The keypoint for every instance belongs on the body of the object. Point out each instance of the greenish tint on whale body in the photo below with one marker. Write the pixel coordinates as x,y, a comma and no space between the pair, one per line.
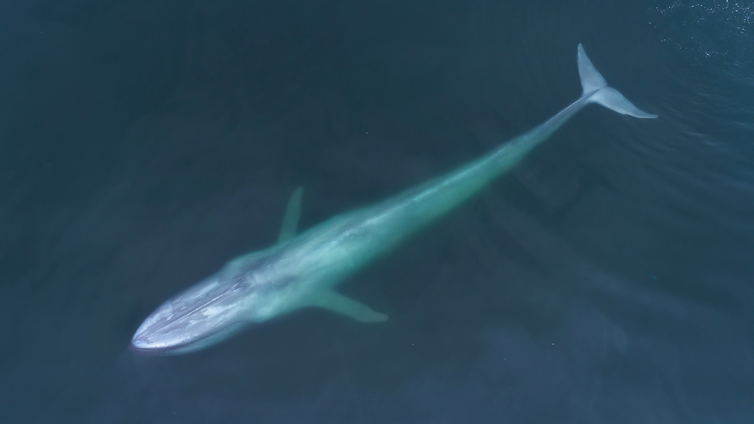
303,270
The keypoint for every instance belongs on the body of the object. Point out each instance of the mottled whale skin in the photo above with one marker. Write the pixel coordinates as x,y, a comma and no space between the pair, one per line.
303,270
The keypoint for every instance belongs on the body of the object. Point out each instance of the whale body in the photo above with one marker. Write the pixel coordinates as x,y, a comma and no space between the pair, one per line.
304,270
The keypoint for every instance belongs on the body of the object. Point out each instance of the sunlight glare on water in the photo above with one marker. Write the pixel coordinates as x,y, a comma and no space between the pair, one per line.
707,28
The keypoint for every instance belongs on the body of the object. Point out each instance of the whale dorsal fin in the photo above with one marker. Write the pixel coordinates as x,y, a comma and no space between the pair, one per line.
336,302
291,217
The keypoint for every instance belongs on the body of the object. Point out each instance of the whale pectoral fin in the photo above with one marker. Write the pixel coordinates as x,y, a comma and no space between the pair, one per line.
291,217
336,302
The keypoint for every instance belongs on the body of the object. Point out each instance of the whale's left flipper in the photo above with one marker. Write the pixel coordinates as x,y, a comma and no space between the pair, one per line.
593,83
336,302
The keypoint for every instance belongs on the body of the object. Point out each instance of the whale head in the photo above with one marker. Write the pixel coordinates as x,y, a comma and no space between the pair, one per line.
248,289
202,315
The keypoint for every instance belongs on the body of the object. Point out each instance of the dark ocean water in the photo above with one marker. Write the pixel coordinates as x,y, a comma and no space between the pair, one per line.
607,279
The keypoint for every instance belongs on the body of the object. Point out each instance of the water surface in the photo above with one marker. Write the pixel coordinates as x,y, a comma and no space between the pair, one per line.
607,279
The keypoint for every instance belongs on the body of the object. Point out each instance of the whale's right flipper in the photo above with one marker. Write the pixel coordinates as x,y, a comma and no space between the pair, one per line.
595,85
291,217
336,302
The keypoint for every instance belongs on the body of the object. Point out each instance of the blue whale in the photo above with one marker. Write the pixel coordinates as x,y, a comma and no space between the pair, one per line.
304,270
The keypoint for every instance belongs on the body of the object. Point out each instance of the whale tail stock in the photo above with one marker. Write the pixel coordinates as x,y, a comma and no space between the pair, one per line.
595,85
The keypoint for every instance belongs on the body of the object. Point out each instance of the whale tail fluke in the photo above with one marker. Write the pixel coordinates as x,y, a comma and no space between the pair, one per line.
593,82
